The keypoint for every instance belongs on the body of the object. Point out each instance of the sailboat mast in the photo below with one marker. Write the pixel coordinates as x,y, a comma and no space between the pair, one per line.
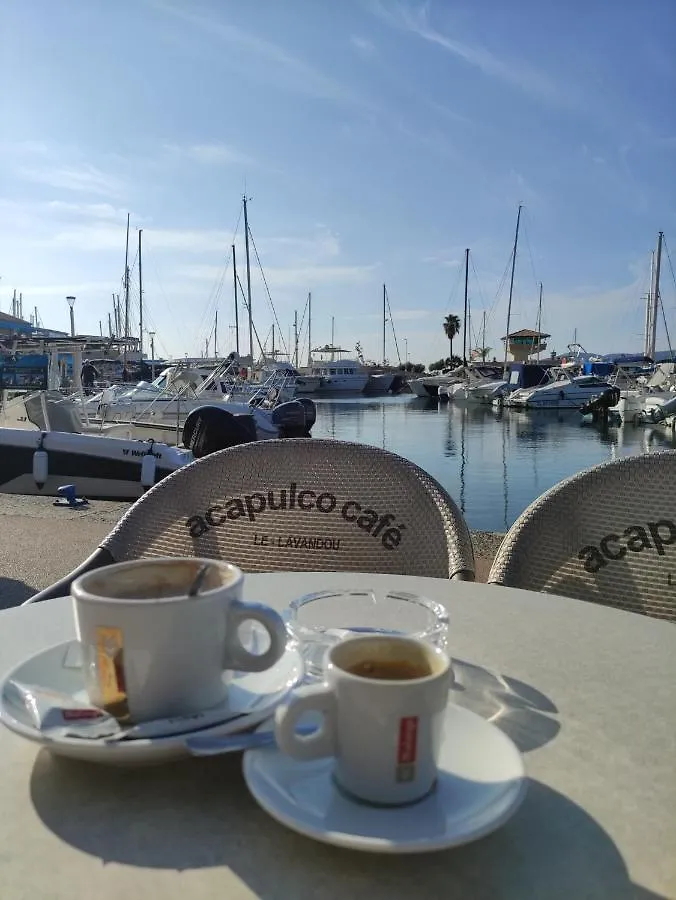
649,307
309,329
511,288
483,338
248,277
539,325
126,295
140,296
384,320
464,317
216,334
656,295
234,278
295,338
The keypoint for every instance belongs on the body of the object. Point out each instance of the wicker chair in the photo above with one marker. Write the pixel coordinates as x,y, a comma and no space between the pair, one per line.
607,535
296,505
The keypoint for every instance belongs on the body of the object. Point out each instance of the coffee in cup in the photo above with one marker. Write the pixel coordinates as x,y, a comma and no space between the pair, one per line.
382,704
158,635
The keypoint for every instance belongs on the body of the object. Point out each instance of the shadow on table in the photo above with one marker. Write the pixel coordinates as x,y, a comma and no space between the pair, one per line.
518,709
14,592
198,814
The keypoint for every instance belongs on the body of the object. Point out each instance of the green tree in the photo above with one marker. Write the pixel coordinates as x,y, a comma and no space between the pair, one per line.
451,327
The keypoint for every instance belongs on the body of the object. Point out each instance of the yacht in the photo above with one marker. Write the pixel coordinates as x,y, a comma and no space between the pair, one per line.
347,376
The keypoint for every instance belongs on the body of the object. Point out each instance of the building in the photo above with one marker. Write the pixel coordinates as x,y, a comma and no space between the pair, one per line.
11,327
525,343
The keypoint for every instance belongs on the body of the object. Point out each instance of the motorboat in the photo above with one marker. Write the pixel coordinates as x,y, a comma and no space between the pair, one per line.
346,376
60,448
380,382
475,376
563,391
428,385
106,468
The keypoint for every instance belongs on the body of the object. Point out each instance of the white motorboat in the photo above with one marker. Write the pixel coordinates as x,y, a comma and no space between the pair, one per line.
564,391
346,376
428,385
106,468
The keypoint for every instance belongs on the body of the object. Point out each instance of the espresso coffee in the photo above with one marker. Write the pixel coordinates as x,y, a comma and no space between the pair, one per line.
390,669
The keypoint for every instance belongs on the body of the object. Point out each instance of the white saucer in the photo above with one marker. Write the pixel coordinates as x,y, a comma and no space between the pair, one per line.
481,783
252,698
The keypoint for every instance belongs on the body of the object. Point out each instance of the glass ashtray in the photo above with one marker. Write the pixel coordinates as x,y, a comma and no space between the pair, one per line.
318,621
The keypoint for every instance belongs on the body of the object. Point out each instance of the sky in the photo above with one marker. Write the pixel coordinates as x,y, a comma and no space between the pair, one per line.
376,140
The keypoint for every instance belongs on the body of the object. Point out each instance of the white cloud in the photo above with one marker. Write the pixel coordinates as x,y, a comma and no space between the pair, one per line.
440,259
301,277
84,178
362,45
292,73
208,154
416,21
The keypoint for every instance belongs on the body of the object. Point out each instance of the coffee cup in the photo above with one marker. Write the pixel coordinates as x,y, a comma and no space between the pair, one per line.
382,707
158,635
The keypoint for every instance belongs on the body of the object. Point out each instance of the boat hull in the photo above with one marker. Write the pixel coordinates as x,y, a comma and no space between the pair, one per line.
100,468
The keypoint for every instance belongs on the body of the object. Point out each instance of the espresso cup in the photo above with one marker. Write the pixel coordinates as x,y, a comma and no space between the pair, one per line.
156,642
382,707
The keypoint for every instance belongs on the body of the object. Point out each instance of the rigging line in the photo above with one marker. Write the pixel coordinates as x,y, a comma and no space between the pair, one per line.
673,277
664,318
246,307
217,287
394,333
170,309
502,283
454,291
530,252
265,282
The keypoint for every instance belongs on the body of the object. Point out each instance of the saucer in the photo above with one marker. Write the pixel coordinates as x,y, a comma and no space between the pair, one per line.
481,783
251,698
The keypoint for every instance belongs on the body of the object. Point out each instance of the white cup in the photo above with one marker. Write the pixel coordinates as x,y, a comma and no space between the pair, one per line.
152,651
384,732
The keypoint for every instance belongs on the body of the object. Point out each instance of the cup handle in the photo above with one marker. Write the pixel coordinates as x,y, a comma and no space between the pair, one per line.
322,742
236,656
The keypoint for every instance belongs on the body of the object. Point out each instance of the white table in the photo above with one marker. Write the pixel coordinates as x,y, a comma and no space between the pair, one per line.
599,819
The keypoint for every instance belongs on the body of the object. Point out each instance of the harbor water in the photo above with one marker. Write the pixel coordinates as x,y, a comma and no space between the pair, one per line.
493,462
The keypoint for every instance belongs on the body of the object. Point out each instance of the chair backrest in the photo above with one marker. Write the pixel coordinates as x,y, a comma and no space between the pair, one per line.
607,535
301,505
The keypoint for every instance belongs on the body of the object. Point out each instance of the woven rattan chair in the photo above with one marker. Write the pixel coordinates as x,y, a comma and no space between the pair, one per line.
295,505
607,535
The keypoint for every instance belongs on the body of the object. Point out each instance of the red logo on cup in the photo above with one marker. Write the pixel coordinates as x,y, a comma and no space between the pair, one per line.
408,740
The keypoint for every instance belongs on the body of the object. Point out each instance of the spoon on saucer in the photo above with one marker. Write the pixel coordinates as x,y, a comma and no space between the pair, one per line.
213,745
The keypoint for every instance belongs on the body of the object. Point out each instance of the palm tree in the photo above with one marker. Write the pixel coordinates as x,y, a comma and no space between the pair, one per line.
451,329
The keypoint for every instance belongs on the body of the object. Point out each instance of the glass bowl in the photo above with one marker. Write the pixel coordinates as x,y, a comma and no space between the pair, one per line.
318,621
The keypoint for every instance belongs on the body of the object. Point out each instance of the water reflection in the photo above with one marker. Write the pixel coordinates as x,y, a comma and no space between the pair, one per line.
494,462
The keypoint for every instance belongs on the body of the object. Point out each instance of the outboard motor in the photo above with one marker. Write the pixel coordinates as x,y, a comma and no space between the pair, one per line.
598,406
310,412
209,428
290,419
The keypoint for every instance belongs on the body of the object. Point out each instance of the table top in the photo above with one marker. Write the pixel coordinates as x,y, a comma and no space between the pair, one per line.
587,694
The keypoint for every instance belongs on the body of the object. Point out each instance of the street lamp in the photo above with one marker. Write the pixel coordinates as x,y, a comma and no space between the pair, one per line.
151,335
406,345
71,303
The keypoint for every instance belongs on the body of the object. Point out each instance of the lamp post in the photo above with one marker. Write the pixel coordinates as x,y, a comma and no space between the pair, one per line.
71,303
151,335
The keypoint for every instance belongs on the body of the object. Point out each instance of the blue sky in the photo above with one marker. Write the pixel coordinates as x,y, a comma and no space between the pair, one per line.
377,140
